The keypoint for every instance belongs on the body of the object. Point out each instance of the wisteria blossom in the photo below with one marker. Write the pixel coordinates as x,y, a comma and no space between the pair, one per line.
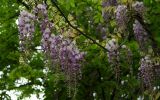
121,16
140,35
146,71
26,29
112,47
139,7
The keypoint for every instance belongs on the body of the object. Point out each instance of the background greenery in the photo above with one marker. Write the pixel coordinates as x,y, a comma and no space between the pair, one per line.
97,75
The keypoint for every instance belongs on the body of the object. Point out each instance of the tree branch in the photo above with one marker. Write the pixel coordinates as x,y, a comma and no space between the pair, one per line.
21,86
74,27
24,85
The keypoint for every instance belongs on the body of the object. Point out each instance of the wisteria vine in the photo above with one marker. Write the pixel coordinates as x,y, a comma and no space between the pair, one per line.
57,48
64,52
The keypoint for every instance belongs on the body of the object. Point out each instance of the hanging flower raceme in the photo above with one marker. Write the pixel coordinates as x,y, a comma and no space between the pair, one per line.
140,35
146,71
26,29
113,56
45,25
112,47
70,58
55,45
64,51
139,7
41,10
121,16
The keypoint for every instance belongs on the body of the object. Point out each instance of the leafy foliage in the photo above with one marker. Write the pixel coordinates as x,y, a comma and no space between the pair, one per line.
92,27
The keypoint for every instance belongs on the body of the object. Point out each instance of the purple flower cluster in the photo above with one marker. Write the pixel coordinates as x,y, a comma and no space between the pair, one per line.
121,16
139,7
140,34
61,51
67,54
26,29
70,58
55,44
58,47
146,71
112,47
45,26
41,10
58,50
